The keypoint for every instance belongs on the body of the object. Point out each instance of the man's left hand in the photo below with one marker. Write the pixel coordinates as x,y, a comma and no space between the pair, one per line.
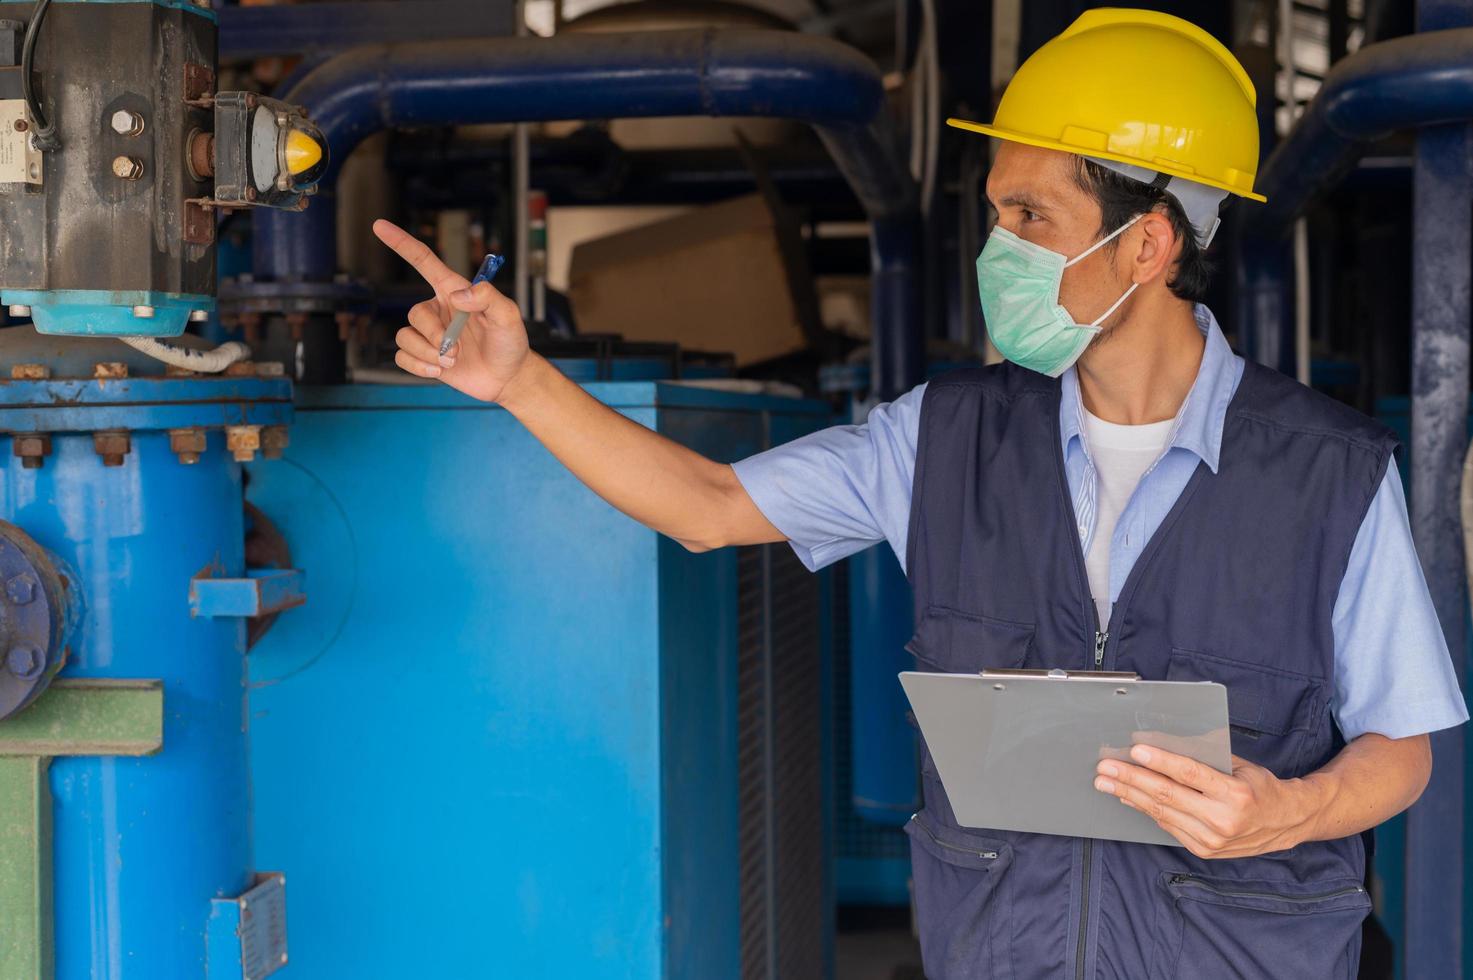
1214,815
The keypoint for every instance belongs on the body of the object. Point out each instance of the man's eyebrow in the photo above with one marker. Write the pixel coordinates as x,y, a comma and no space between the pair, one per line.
1020,200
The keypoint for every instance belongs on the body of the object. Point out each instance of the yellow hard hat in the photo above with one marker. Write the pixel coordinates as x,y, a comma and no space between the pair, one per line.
1137,87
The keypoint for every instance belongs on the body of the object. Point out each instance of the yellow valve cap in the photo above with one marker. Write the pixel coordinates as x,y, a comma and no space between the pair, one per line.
302,152
1139,87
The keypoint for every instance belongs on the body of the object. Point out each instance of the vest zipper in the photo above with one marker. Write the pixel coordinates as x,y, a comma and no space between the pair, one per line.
985,855
1228,893
1100,639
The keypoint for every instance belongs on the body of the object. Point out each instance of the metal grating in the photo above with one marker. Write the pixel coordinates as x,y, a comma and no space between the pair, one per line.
854,836
780,746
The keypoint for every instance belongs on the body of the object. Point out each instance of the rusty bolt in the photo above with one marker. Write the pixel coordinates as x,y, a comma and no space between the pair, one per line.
21,589
108,370
274,440
250,193
112,447
127,168
187,444
127,123
270,369
25,662
21,125
302,203
241,369
243,441
296,323
175,371
32,449
29,372
250,325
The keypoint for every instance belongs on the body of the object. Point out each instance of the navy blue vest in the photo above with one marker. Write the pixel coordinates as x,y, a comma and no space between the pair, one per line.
1237,586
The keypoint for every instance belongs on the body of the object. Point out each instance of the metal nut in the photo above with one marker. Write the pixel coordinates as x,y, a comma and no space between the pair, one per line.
19,310
109,370
29,372
243,441
274,440
270,369
112,447
126,123
127,168
187,444
241,369
21,589
32,449
199,316
25,662
143,312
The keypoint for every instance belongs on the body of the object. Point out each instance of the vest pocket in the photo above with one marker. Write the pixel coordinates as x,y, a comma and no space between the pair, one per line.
962,910
1273,715
949,640
1219,927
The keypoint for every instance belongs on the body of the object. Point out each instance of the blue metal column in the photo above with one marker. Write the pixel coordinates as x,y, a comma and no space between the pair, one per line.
1442,262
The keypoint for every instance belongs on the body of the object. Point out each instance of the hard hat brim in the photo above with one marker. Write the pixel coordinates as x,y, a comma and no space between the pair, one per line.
1029,139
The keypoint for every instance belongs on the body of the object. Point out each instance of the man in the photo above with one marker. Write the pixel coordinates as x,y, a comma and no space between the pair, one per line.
1127,494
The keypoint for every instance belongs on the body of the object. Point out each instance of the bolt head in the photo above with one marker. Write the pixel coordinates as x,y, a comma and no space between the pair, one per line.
21,125
25,662
143,312
19,310
199,316
126,123
127,168
21,589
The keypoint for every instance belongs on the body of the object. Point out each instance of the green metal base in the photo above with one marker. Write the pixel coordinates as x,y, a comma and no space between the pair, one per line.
73,717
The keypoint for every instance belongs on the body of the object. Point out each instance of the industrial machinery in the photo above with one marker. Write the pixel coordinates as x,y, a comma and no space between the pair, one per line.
116,151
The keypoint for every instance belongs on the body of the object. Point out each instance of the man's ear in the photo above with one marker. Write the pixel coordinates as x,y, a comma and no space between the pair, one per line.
1158,248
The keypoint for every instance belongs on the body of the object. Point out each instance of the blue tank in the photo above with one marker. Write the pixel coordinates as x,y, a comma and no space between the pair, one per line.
141,845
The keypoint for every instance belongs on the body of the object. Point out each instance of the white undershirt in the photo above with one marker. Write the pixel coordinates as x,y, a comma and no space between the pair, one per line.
1121,455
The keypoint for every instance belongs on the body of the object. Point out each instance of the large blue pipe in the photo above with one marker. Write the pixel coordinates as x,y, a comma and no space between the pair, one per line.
605,76
1406,83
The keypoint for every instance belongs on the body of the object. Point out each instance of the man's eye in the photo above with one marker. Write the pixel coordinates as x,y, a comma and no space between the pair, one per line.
1030,215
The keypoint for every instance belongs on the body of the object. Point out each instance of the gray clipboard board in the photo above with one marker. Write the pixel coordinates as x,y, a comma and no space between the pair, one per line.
1017,749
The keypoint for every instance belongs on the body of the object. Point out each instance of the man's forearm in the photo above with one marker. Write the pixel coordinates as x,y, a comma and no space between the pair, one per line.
1372,780
654,480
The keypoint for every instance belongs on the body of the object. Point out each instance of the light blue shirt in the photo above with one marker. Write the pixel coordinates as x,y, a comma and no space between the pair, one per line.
836,492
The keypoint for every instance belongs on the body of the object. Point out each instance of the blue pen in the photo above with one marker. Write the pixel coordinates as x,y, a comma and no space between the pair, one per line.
457,322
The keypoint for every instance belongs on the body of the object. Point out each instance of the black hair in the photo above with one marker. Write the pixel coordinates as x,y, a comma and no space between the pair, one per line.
1121,198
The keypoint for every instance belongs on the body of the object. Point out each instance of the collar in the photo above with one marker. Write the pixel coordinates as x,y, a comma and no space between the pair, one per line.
1200,420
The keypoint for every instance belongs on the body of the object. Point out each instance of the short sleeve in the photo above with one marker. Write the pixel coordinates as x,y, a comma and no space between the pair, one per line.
1393,675
840,490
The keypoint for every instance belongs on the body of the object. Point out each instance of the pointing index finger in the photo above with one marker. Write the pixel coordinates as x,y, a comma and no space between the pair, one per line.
417,254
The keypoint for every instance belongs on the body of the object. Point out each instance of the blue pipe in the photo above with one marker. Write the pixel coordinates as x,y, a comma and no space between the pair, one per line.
1406,83
708,72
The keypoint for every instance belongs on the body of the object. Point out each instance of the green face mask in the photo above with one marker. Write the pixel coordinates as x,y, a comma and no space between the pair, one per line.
1018,284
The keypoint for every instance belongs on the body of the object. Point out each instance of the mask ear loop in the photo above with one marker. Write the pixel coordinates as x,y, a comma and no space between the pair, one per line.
1101,243
1094,324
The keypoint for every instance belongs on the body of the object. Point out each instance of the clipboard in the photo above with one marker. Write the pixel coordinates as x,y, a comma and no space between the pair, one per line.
1017,749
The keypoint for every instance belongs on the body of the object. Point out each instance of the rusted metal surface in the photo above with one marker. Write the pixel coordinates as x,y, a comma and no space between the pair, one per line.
31,448
113,447
187,444
243,441
274,441
29,372
109,370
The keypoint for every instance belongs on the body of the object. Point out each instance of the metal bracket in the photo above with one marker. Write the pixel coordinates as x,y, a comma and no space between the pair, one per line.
261,592
73,717
247,935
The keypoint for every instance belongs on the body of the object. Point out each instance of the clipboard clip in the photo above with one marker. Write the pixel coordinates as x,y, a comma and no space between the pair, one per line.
1064,675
